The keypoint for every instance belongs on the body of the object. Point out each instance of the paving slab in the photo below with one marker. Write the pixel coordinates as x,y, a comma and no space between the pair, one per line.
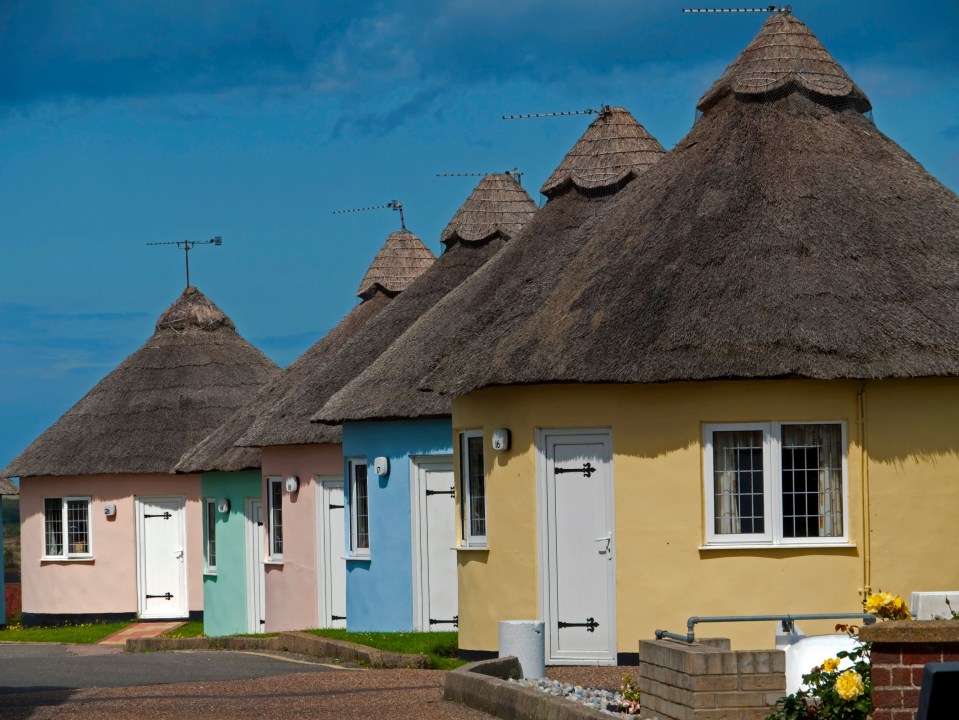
140,630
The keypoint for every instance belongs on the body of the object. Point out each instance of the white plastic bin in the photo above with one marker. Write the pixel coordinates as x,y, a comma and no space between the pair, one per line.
524,639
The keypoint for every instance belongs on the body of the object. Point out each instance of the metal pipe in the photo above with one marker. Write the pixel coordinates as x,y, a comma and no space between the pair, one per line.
866,509
788,621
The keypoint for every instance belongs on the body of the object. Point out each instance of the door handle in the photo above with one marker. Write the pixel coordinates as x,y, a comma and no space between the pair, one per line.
179,554
606,539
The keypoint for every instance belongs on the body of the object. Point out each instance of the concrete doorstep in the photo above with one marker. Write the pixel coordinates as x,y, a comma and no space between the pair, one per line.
483,685
297,642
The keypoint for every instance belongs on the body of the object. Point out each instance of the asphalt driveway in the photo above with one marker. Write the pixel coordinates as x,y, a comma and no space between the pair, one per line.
90,682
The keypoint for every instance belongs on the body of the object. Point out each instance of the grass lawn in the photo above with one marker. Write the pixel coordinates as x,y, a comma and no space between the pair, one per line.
439,647
191,629
83,634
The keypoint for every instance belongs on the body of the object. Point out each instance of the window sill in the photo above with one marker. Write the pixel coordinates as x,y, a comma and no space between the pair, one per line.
780,546
273,561
470,548
209,573
85,559
357,558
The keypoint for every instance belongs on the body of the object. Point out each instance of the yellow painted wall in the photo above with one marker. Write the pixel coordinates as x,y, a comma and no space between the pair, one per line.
662,575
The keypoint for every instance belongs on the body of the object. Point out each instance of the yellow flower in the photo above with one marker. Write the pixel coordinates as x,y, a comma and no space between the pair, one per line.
831,664
849,685
874,603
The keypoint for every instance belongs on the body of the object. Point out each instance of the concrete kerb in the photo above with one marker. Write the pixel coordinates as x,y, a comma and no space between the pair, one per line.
483,686
297,642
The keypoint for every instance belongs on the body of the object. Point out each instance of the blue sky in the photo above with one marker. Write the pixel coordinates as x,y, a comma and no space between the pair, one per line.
126,123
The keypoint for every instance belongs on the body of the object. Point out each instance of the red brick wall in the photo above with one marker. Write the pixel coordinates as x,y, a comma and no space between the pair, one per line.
11,597
897,670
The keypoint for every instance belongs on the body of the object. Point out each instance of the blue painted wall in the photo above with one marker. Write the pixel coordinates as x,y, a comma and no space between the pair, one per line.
379,591
225,593
3,569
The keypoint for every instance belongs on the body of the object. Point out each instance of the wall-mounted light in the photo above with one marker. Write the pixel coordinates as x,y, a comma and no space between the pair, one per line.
110,510
500,439
223,505
381,466
292,484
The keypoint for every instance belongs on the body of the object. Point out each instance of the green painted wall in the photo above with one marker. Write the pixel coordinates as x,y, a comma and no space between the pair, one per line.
225,592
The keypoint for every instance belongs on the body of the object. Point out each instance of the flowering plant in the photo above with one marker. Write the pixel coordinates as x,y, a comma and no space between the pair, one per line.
887,606
630,694
828,694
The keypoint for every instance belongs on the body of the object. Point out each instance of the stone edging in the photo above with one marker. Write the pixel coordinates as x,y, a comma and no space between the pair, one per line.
483,685
297,642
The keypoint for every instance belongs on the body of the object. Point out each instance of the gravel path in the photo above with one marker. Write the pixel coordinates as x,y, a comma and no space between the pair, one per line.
338,695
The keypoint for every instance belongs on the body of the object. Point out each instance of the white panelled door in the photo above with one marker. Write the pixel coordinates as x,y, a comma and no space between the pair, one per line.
161,557
434,537
577,546
331,537
256,569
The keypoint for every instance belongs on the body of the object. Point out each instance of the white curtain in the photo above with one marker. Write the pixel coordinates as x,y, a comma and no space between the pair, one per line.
828,439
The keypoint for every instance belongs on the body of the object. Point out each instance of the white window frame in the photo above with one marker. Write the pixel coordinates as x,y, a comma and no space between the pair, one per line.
772,489
209,535
64,528
271,538
467,538
358,552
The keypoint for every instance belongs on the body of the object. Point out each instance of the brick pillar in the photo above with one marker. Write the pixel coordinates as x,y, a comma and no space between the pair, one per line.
900,651
708,681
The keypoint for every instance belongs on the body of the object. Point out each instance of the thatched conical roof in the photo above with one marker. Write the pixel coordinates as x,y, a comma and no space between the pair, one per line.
8,488
614,149
192,374
785,55
387,387
287,420
498,204
780,238
401,260
218,452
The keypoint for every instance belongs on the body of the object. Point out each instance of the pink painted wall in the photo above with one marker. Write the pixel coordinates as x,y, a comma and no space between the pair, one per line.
108,583
291,587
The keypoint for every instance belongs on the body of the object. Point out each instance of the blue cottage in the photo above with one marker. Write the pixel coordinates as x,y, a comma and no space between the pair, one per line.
397,446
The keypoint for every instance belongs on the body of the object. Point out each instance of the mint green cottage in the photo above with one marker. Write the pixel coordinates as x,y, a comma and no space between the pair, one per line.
231,493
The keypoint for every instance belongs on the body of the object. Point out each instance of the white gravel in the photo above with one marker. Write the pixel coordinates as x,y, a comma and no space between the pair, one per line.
596,699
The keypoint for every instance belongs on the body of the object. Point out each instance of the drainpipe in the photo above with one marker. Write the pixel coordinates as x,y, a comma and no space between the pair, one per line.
866,520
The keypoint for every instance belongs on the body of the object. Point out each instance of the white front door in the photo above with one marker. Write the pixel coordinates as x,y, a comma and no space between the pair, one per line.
434,537
577,546
161,557
256,570
331,575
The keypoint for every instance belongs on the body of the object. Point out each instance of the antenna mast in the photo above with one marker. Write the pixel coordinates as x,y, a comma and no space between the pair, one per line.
587,111
785,10
515,173
188,245
392,205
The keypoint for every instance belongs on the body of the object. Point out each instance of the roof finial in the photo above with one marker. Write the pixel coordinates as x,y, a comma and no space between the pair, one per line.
392,204
188,245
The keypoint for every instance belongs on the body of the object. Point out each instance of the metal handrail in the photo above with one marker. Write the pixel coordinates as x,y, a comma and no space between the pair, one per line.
788,622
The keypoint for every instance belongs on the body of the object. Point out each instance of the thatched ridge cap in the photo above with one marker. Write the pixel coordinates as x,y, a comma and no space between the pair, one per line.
195,310
498,205
401,260
785,56
614,149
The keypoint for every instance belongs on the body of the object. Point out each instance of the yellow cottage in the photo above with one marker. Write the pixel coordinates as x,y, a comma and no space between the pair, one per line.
732,390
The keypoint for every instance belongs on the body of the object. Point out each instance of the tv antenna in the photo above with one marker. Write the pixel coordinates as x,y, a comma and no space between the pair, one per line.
785,10
187,246
587,111
516,174
392,205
